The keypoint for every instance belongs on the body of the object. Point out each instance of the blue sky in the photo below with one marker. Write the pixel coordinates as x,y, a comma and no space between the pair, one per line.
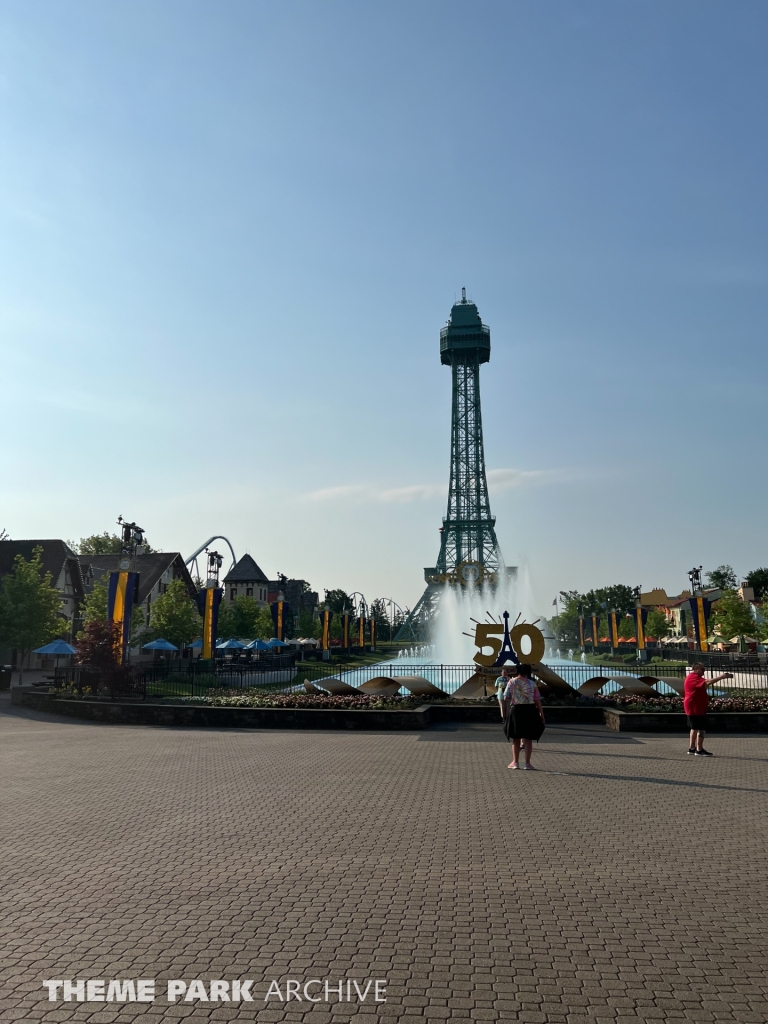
230,234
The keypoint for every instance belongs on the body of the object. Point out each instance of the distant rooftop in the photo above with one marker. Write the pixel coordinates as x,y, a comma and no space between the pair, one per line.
246,571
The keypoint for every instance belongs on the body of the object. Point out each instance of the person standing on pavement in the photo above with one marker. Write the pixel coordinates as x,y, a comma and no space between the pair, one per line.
508,672
696,704
525,715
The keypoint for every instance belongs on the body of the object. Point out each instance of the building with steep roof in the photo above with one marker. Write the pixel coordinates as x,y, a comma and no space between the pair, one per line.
156,572
246,579
61,562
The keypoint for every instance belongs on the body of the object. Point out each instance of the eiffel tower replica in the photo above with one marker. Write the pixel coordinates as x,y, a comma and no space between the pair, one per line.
469,552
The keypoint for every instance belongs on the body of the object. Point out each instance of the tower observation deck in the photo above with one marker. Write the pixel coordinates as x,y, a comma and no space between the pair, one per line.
469,552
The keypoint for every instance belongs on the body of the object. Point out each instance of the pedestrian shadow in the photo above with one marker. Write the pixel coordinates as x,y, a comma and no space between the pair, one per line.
567,752
464,732
652,780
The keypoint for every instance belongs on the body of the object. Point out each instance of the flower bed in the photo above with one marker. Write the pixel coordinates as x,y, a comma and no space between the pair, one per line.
675,703
363,702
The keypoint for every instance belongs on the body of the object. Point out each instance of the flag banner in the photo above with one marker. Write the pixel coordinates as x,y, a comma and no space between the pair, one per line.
641,617
325,619
613,628
122,595
700,608
595,632
208,601
372,632
278,618
361,631
345,629
581,631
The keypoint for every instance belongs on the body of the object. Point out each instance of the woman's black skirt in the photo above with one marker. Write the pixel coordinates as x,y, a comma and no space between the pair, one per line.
523,722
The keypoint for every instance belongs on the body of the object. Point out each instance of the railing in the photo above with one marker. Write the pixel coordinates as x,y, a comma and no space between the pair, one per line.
181,678
716,660
746,678
164,681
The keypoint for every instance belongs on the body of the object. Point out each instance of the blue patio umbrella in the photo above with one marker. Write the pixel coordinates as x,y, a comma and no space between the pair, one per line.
231,645
196,643
56,647
159,645
258,645
274,642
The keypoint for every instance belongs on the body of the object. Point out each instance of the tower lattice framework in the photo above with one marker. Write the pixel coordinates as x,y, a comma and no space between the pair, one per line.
468,533
469,551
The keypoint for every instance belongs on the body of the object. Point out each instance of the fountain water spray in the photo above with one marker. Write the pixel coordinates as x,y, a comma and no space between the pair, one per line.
461,607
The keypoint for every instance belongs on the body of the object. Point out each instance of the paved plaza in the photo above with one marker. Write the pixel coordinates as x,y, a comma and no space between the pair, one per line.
624,881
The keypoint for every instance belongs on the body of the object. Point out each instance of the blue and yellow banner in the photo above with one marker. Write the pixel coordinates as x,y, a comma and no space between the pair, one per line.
613,628
278,617
700,608
325,619
345,629
581,631
595,631
208,601
122,595
641,617
361,631
372,630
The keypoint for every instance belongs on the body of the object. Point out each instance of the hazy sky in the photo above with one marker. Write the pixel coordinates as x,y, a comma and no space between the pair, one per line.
231,232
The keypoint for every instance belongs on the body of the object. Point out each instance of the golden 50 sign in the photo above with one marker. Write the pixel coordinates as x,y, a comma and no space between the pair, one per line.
506,644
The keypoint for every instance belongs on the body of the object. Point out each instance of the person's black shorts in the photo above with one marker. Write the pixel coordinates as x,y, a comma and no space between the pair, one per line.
698,722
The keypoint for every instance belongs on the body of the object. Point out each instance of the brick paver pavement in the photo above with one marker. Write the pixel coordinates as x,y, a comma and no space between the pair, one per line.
630,887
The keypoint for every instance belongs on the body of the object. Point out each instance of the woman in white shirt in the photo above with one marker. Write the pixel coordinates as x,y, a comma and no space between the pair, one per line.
525,717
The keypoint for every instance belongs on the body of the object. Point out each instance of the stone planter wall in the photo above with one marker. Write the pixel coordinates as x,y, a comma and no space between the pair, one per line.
672,721
194,716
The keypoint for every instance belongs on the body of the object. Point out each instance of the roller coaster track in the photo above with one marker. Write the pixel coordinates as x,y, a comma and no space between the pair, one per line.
193,557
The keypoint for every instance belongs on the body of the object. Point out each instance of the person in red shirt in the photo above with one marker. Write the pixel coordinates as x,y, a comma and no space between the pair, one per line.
695,704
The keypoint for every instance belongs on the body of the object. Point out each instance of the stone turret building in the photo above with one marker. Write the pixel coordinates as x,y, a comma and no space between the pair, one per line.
246,579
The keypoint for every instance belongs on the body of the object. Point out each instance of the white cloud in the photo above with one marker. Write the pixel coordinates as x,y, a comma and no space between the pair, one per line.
503,479
498,480
333,493
417,492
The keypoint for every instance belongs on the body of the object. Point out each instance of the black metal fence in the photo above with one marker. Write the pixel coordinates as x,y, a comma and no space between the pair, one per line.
181,678
281,673
715,660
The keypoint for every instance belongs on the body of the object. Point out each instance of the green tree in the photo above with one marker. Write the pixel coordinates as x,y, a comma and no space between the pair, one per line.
732,617
104,544
338,601
99,544
243,619
758,580
308,626
95,609
565,626
95,604
618,597
381,618
656,625
238,618
30,607
627,627
175,617
723,577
